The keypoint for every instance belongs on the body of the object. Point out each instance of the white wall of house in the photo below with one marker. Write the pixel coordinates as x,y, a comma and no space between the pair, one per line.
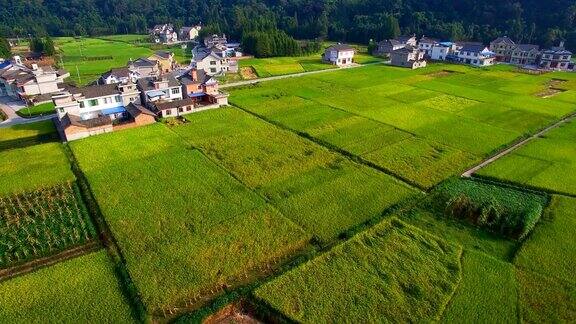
439,52
339,58
475,58
212,65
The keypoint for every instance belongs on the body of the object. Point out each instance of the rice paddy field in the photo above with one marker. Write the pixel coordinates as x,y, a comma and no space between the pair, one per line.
333,197
77,290
421,126
547,163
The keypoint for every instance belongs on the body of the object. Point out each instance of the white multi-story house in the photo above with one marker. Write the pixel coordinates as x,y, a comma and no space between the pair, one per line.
21,82
160,89
525,54
190,33
556,58
426,44
475,54
164,34
442,50
339,55
93,110
212,62
144,67
410,57
119,75
98,100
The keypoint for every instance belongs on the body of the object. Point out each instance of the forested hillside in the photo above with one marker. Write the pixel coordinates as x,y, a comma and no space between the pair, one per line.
537,21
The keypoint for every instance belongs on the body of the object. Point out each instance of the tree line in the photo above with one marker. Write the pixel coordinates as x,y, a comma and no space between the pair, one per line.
530,21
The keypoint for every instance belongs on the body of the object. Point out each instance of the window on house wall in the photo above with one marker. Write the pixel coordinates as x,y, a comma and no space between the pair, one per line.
107,100
213,70
168,112
175,91
180,109
81,104
93,102
188,108
118,99
212,62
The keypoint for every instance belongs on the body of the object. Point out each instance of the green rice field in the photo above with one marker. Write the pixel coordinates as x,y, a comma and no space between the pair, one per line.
392,272
547,163
78,290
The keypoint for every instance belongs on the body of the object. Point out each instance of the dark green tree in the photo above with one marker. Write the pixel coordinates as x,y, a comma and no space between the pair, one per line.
5,51
49,48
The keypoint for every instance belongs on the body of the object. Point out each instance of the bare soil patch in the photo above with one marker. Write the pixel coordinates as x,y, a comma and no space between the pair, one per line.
553,88
441,74
233,313
248,73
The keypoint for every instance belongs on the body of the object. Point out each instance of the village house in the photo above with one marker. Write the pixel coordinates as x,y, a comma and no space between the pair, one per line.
410,57
164,34
97,109
556,58
165,60
119,75
339,55
442,51
426,44
215,39
211,62
23,83
144,67
189,33
386,47
159,89
525,54
474,54
502,47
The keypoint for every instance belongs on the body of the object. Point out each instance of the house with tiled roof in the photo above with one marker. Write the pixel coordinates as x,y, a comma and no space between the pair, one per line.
23,83
387,46
164,33
189,33
144,67
165,60
119,75
556,58
97,109
339,55
502,47
525,54
212,62
475,54
409,56
159,89
425,44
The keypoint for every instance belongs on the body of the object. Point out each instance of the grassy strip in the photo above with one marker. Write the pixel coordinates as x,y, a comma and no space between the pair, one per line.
36,111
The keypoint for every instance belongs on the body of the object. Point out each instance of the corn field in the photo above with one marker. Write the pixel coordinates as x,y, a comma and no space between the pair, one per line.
41,223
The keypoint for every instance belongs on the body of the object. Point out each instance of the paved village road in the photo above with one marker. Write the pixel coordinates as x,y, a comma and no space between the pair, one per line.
294,75
516,146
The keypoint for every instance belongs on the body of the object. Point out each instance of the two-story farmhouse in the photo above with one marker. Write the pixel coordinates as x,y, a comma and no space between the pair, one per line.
525,54
442,51
92,110
475,54
425,44
190,33
201,92
211,62
144,67
339,55
409,56
119,75
215,39
159,89
556,58
23,83
502,47
165,60
386,47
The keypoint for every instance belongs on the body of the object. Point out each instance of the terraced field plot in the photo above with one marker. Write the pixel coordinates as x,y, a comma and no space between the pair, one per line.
79,290
392,272
421,125
294,174
547,163
190,228
27,134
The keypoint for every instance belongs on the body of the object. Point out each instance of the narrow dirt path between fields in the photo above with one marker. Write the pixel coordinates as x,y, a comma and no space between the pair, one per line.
34,265
294,75
469,173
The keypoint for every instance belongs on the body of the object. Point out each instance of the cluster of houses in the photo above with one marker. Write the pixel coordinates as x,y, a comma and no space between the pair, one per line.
29,82
167,34
146,89
407,51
